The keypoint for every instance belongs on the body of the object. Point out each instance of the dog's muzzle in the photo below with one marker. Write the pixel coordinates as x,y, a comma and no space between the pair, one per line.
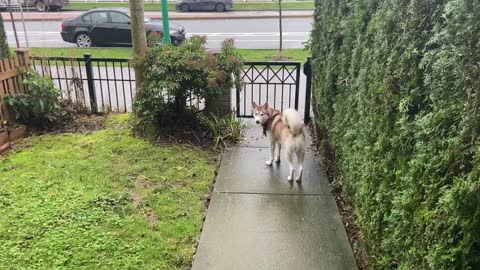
258,122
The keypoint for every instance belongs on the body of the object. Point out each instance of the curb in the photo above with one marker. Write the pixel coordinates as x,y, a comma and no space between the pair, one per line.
193,12
173,17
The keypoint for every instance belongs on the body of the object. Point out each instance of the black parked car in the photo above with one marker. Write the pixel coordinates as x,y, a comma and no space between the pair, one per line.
208,5
111,27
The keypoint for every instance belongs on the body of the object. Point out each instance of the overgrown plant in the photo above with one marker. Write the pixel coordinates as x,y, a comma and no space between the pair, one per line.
224,130
39,104
397,91
175,74
4,51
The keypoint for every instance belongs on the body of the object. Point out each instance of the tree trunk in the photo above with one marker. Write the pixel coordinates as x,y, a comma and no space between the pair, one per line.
280,26
139,38
180,104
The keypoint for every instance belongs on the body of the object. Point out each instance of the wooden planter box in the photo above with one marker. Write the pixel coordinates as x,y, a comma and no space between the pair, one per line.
9,135
17,133
4,141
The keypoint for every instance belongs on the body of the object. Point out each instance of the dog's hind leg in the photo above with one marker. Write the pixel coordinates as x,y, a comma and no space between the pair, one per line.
301,158
290,164
277,158
272,153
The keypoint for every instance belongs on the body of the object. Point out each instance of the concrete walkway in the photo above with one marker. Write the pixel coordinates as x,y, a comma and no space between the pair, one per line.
259,220
58,16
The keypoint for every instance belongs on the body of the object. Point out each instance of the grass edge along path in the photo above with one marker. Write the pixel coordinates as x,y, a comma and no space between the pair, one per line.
106,200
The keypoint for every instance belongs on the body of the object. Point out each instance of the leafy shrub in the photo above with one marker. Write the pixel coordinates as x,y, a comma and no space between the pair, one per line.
224,130
4,51
39,104
176,73
397,91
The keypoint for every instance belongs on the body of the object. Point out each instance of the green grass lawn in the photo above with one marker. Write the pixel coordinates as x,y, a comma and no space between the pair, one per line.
79,52
248,55
237,6
273,55
105,200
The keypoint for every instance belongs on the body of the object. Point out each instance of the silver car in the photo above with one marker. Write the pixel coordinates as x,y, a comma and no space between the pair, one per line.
204,5
39,5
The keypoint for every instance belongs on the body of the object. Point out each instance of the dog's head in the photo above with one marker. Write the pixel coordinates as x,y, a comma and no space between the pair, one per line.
260,113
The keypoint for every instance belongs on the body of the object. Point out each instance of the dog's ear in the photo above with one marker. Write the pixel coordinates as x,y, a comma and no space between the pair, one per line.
254,105
265,105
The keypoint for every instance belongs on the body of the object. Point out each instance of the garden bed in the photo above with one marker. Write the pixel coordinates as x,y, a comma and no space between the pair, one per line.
10,135
105,200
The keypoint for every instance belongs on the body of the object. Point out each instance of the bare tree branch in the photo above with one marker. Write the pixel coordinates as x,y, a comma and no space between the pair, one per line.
9,6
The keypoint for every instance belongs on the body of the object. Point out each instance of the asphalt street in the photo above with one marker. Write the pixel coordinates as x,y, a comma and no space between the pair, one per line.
248,33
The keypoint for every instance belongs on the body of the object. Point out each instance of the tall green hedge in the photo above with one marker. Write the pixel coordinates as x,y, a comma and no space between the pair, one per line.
4,52
397,95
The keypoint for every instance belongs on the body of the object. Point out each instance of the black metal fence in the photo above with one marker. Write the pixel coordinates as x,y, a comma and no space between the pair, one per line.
102,84
275,83
108,84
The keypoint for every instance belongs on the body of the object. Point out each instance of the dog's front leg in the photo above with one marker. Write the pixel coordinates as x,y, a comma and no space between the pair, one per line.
272,152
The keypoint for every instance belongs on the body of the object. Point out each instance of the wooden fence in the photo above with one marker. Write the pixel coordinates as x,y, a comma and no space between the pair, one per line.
11,80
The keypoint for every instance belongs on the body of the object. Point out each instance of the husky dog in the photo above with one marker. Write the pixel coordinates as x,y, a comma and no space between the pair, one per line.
283,129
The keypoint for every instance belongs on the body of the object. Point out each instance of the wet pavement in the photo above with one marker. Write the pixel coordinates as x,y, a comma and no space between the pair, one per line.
259,220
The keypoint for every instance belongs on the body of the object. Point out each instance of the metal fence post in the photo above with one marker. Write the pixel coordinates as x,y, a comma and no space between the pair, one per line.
297,84
90,82
237,101
307,70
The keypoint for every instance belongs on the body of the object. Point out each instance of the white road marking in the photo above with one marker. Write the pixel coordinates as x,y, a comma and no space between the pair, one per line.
209,40
258,40
37,41
40,38
33,32
205,34
253,34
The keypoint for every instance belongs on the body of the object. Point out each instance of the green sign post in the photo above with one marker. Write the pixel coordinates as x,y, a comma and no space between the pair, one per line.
166,26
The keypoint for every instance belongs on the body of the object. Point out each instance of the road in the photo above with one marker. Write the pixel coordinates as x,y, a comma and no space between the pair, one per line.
248,33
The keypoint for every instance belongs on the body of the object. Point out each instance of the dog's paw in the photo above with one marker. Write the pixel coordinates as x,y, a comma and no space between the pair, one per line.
277,160
289,178
299,176
268,163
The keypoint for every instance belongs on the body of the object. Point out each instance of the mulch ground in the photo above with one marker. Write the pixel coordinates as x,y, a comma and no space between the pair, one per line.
84,124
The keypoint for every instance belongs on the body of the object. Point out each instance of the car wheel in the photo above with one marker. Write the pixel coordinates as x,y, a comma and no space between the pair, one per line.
185,8
40,6
220,8
83,40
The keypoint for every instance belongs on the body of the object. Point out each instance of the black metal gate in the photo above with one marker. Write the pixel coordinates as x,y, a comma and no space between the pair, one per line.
275,83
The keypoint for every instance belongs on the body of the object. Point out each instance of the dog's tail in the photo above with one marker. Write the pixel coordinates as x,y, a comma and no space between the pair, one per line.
293,120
